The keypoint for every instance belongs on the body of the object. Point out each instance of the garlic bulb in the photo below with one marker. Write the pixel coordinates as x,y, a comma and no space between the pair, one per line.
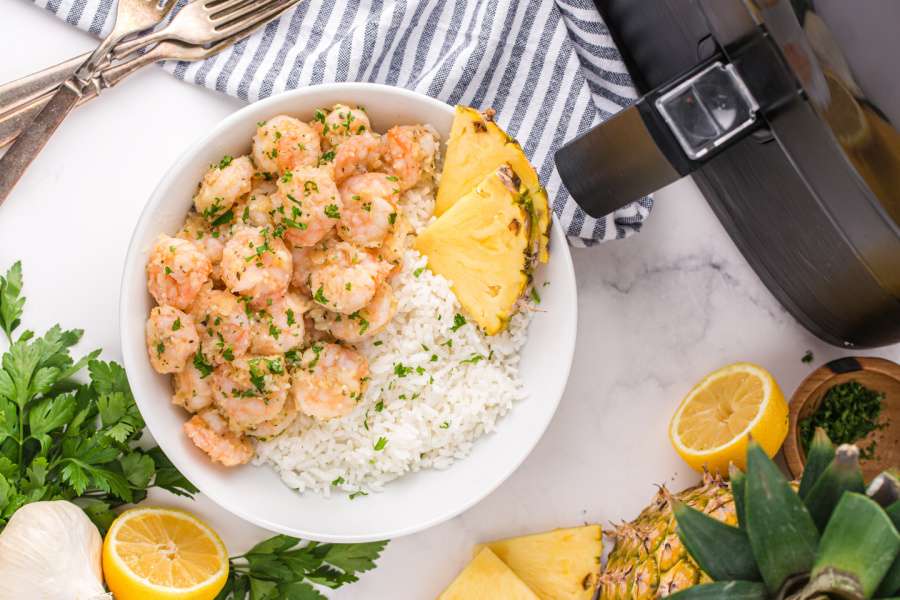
51,551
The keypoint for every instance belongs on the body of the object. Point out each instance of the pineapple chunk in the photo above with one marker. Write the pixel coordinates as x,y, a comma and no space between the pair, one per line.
487,578
563,564
477,146
481,245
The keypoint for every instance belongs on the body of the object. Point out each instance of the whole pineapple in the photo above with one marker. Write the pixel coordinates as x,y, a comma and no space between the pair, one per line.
648,560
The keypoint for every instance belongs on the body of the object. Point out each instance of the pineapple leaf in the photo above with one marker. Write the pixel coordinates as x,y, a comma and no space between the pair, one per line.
738,492
723,590
781,531
857,548
842,475
721,550
820,455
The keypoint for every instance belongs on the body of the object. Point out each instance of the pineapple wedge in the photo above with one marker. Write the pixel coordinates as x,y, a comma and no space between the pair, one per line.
477,146
487,578
563,564
481,245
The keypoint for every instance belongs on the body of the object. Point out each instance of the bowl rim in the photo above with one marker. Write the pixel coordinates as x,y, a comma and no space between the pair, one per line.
568,317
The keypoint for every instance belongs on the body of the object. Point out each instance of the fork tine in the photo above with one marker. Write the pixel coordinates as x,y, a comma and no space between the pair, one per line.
243,18
238,36
217,7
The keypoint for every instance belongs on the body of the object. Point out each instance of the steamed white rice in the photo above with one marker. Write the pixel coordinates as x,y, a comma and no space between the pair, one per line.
433,392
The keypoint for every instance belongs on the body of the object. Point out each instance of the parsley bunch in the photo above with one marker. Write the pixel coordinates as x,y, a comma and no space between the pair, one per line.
65,440
284,568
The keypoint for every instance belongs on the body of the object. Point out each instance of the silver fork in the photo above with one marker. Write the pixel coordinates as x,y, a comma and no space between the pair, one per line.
12,123
199,22
132,16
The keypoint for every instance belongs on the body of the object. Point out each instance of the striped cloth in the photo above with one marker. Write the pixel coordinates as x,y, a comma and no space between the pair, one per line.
548,67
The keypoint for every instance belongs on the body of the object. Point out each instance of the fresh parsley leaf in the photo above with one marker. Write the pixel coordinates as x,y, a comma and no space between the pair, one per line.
380,444
11,300
320,296
332,211
458,321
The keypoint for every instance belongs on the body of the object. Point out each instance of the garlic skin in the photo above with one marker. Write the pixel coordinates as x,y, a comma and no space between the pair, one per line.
51,551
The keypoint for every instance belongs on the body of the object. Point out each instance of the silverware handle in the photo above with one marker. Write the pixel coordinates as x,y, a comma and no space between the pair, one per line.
13,122
28,88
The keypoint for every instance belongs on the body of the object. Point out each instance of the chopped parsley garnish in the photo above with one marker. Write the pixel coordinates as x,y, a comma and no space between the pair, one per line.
445,425
338,481
401,370
848,412
392,218
458,321
228,354
245,217
290,317
275,366
288,175
808,357
379,406
434,358
327,157
260,123
203,367
380,444
226,160
332,211
418,272
310,186
177,324
168,270
420,370
377,343
257,378
274,331
474,359
319,296
319,116
160,348
392,178
224,219
348,286
535,296
357,494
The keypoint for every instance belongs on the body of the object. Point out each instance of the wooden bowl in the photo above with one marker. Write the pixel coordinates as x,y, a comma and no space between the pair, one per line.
877,374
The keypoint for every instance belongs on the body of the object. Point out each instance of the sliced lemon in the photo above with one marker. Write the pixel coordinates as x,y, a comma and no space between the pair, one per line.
159,553
713,424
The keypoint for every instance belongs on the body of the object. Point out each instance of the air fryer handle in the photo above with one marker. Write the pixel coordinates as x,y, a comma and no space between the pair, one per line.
665,135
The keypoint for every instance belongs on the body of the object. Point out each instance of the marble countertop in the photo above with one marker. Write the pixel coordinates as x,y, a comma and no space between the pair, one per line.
656,313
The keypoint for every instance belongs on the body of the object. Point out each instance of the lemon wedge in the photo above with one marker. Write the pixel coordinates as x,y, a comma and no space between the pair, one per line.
158,553
712,425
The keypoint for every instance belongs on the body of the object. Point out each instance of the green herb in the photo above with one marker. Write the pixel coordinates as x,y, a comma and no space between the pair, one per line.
327,157
201,364
63,439
380,444
377,343
401,370
418,272
332,211
445,425
274,332
227,354
288,175
290,317
226,160
320,296
168,270
458,321
160,348
535,296
434,358
309,187
392,178
420,370
224,219
474,359
257,378
808,357
177,324
319,116
359,493
392,218
338,481
283,567
848,412
379,406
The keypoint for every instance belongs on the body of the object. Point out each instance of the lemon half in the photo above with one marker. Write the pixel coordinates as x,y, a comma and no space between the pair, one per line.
159,553
713,424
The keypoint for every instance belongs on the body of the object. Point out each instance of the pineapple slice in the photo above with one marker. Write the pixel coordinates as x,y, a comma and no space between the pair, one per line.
477,146
481,245
563,564
487,578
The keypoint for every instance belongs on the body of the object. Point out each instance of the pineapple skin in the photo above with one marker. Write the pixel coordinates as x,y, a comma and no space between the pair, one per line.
648,559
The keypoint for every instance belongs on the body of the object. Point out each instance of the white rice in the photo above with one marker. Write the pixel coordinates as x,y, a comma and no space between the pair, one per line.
433,392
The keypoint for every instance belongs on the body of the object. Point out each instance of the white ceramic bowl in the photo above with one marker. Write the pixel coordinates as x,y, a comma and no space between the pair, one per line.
415,501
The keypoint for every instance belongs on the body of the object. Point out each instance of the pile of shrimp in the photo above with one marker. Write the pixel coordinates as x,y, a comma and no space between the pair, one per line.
284,262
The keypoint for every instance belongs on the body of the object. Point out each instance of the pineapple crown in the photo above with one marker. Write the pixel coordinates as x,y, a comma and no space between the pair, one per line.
831,538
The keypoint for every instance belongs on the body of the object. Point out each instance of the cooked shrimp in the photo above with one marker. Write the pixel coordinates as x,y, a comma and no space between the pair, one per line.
303,265
330,381
363,323
210,240
171,339
250,391
176,271
409,154
278,327
283,143
340,123
254,210
192,388
256,265
394,244
222,185
344,278
209,432
370,208
276,426
358,154
307,205
223,327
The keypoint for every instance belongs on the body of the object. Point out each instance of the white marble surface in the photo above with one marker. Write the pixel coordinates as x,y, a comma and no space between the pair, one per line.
656,312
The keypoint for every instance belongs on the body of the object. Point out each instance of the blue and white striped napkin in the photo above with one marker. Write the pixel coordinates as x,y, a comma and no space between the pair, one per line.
548,67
